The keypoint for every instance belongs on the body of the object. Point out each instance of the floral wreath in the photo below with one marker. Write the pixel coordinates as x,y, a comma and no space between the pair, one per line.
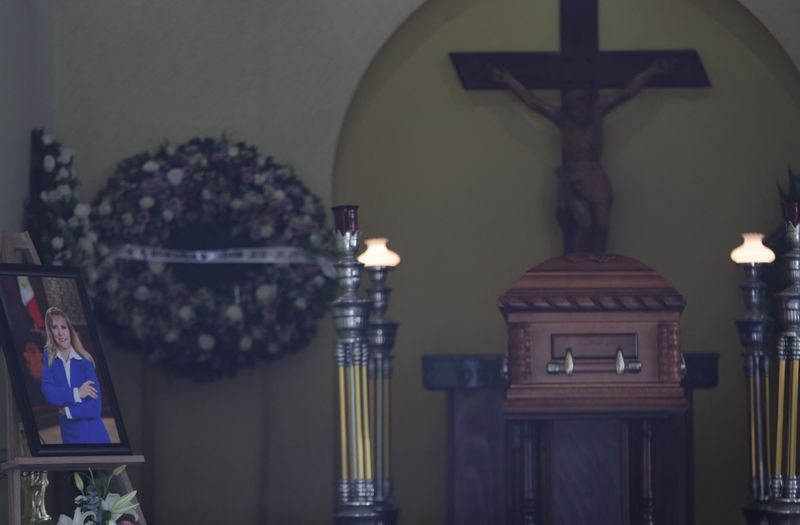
198,320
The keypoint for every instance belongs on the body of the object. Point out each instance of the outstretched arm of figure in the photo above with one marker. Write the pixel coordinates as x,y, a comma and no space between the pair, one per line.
501,74
606,104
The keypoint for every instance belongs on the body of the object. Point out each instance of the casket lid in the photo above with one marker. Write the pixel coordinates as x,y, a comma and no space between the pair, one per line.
591,283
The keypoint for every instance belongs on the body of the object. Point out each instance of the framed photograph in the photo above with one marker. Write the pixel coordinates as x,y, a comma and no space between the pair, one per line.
57,369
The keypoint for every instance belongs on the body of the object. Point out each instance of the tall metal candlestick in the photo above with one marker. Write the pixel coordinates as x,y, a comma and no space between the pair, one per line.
784,503
382,332
379,260
755,329
356,494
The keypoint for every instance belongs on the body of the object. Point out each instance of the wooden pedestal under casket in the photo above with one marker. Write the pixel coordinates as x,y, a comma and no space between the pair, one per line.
593,333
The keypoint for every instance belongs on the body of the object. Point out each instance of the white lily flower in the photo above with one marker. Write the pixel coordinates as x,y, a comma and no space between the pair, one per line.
118,506
79,518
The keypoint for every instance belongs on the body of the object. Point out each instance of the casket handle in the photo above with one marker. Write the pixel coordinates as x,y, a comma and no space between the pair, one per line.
568,367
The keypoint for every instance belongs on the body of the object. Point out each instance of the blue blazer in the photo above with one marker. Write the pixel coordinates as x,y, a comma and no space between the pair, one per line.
86,426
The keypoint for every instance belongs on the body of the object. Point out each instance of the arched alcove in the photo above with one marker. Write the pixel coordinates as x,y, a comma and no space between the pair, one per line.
463,185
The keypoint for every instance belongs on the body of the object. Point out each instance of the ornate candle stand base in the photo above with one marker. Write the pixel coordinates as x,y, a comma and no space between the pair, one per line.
388,513
785,513
756,513
358,516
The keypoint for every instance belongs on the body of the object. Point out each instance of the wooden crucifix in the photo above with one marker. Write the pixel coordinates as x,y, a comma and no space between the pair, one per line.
579,71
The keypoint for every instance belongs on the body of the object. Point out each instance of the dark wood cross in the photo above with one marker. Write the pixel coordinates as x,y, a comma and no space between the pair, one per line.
579,71
580,64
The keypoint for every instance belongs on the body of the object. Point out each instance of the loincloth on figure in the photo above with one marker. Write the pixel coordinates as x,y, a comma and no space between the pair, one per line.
584,180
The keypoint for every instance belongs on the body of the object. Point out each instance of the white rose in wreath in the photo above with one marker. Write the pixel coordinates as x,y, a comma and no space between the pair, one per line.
175,176
206,342
234,313
82,210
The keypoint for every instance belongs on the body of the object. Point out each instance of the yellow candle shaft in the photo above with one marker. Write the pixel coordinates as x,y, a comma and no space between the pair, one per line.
752,410
343,422
359,433
367,419
373,407
792,458
386,420
768,438
779,417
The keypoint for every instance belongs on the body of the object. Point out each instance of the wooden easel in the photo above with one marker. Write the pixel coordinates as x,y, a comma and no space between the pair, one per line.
17,247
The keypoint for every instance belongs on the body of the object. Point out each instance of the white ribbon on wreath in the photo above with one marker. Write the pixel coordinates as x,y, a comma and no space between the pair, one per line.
265,255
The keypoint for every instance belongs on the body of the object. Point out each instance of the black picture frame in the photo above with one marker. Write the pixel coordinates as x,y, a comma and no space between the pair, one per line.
26,293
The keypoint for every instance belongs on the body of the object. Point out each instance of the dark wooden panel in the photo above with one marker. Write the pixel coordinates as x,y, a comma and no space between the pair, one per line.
586,469
478,467
477,461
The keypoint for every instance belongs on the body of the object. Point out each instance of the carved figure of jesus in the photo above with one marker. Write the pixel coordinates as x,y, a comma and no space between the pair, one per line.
584,191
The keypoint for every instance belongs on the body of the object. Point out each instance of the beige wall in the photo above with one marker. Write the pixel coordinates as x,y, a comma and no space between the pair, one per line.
26,97
279,74
26,101
780,18
462,182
